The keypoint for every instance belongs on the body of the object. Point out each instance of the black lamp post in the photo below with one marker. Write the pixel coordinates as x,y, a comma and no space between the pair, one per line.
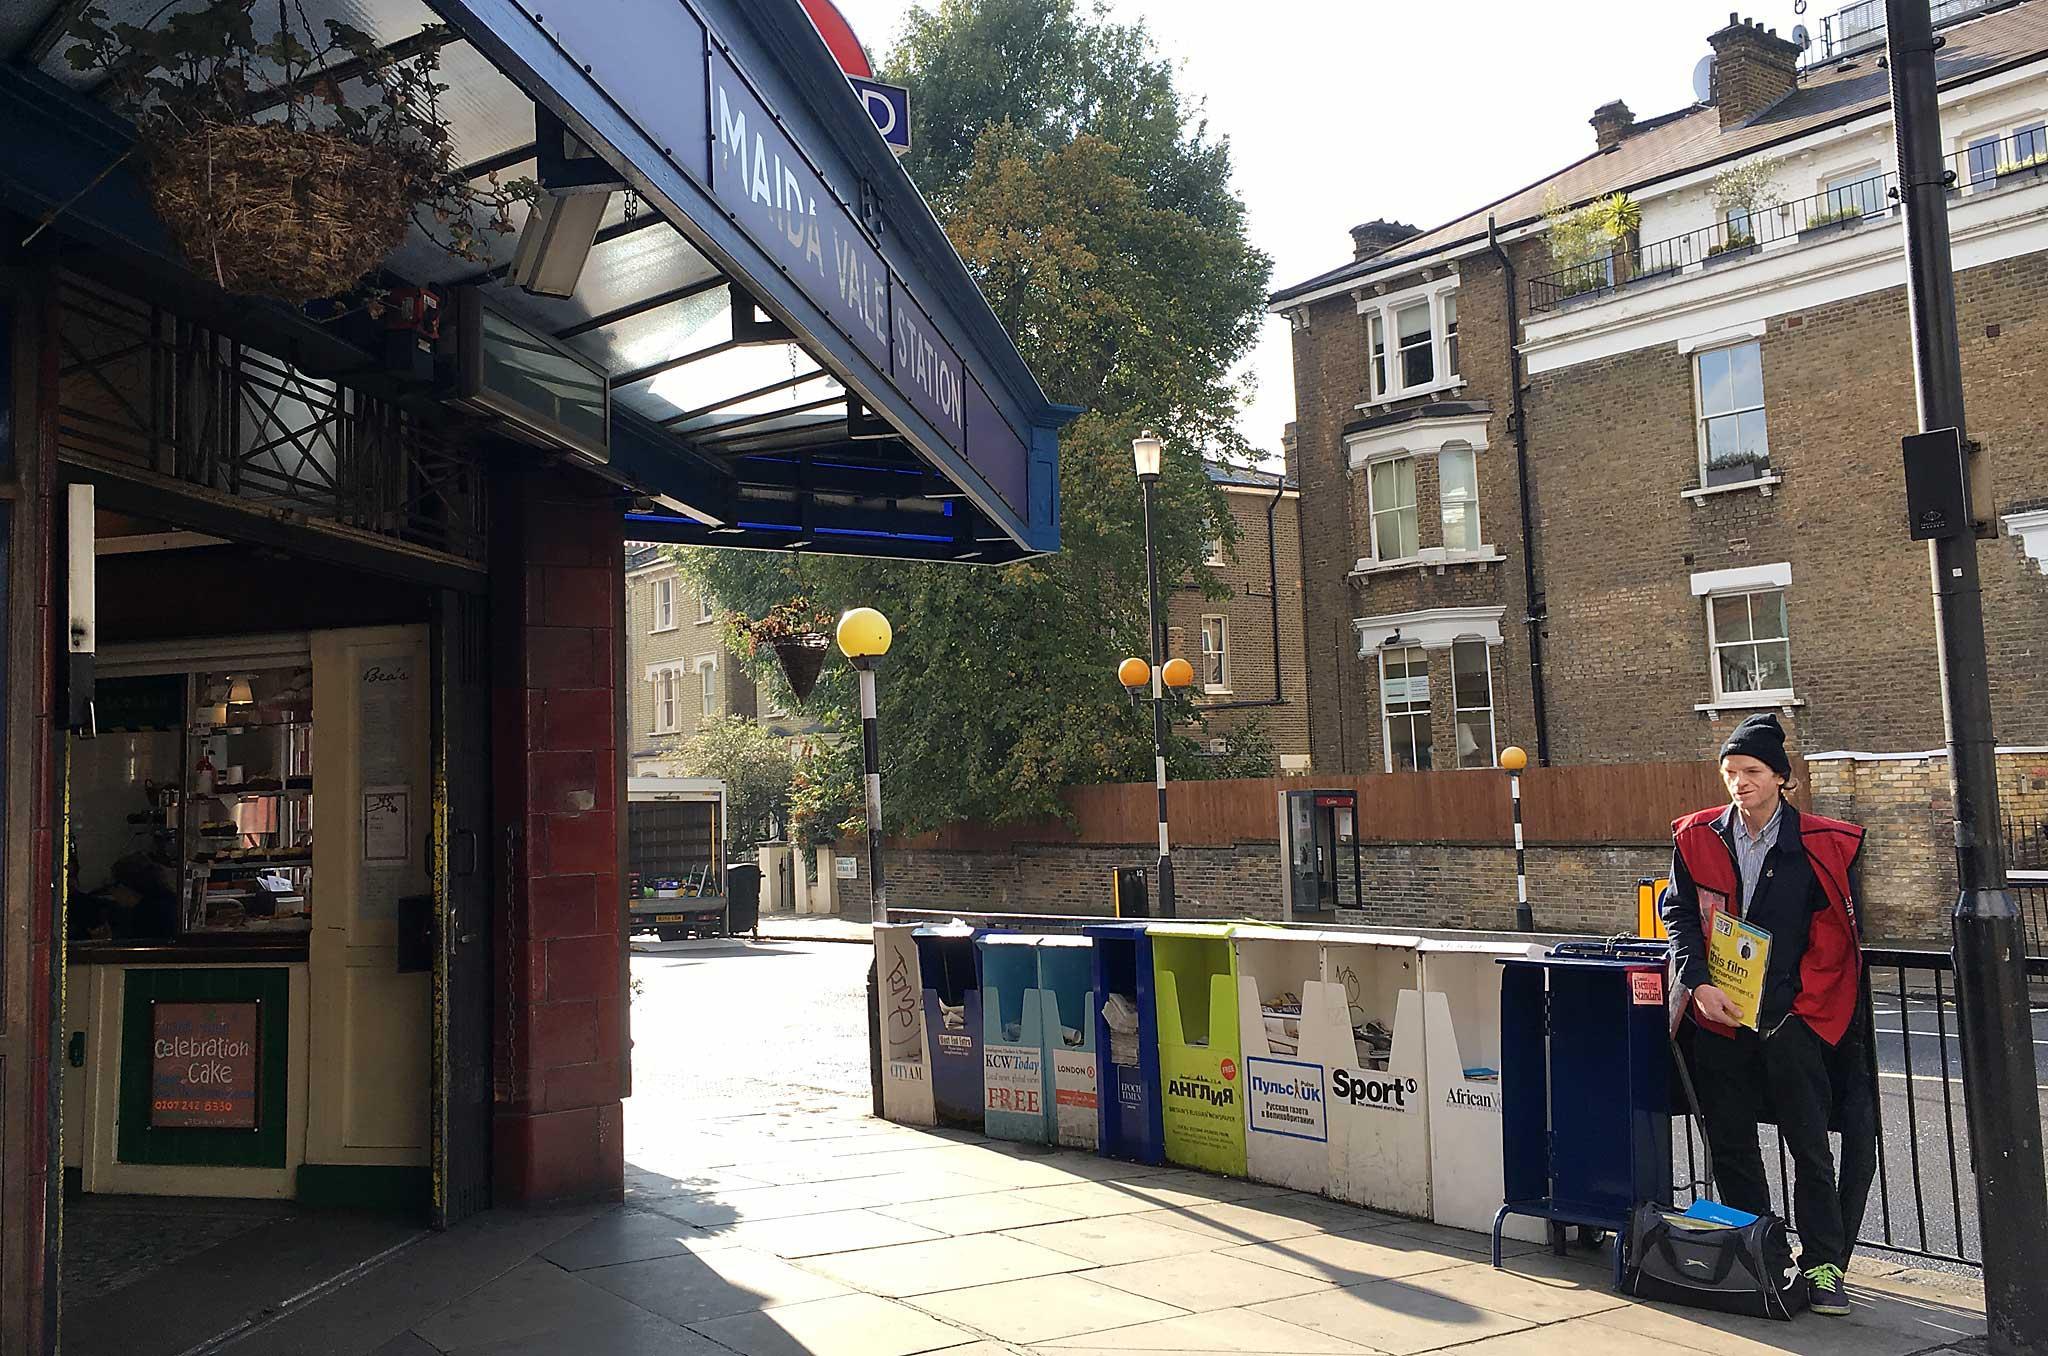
1145,452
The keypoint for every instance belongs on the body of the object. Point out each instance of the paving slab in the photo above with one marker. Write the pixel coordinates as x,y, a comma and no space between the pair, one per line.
1265,1220
1574,1337
713,1284
1225,1330
1093,1200
946,1264
896,1188
1650,1325
1115,1239
625,1235
638,1335
1204,1281
1184,1186
533,1299
847,1325
1525,1288
988,1213
1393,1317
1356,1258
834,1231
1443,1237
406,1344
1041,1308
746,1207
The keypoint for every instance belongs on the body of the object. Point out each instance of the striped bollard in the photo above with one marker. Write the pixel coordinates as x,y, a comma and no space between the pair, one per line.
1514,759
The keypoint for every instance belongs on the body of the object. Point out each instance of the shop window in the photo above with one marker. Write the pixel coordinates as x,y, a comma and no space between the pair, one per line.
1472,699
1390,486
1215,654
1404,708
1734,447
664,604
1458,496
1749,640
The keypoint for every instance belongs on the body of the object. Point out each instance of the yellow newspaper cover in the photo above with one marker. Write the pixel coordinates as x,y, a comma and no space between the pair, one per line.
1737,953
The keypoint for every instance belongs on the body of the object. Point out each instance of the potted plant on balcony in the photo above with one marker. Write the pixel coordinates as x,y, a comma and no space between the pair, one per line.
799,632
1741,194
271,175
2021,167
1586,242
1839,217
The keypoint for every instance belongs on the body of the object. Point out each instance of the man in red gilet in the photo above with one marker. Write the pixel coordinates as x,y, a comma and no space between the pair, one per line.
1788,874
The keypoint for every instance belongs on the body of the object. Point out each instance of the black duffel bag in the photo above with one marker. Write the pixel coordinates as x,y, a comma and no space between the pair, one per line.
1736,1269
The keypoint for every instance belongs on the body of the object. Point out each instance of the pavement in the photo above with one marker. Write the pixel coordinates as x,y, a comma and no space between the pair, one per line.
767,1214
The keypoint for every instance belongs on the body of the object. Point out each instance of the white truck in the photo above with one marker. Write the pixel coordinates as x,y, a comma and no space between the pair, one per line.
675,857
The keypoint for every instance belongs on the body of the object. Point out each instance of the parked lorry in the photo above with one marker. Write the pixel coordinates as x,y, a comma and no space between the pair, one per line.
675,857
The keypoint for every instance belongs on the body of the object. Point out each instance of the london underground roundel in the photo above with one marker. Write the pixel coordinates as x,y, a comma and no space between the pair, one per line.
839,38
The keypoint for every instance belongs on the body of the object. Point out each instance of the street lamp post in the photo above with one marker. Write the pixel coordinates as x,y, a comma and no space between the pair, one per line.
863,635
1145,452
1513,758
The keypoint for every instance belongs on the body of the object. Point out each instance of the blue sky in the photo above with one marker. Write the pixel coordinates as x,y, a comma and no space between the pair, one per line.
1339,111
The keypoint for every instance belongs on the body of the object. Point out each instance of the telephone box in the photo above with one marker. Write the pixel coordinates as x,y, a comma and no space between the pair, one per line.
1320,870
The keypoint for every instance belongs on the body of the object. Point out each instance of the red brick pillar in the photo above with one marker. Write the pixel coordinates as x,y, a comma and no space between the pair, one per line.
559,1024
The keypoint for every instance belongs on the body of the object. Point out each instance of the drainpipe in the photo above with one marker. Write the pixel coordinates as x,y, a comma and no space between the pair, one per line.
1279,697
1518,423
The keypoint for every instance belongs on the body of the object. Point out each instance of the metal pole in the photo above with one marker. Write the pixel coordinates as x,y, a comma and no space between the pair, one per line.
1524,919
1991,983
1166,909
878,888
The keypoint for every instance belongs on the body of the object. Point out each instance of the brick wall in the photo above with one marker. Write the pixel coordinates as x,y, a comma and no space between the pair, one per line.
560,1047
1613,443
1252,639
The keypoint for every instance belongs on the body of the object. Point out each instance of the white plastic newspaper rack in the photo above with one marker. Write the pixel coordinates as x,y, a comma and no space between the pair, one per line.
1461,1056
1379,1109
906,1055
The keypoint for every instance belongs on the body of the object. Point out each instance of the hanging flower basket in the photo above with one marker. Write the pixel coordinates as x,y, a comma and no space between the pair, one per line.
270,210
802,659
289,161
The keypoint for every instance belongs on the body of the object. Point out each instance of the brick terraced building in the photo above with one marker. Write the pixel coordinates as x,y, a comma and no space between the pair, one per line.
1695,509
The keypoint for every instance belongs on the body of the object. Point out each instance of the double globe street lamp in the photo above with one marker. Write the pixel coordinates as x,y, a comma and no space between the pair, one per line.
1161,672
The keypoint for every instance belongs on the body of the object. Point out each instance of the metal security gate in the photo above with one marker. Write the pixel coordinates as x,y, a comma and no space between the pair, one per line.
462,958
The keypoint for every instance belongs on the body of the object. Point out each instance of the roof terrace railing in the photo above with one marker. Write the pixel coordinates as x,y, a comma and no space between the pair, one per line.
1860,28
1740,233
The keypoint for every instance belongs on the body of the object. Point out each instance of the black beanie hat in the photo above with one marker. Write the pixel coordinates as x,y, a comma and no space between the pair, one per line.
1761,738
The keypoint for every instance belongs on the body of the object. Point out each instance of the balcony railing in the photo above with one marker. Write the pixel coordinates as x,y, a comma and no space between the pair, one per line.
2021,157
1860,28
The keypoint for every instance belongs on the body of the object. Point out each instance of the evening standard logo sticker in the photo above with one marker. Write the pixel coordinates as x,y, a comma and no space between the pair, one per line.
1285,1097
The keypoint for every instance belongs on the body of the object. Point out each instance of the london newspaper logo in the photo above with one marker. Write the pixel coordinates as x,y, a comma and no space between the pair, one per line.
1201,1090
1381,1094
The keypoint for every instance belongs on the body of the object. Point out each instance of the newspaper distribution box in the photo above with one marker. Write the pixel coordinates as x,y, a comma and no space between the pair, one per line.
1461,983
1014,1072
1067,1002
1379,1114
906,1055
1194,971
1125,1018
952,1019
1290,1024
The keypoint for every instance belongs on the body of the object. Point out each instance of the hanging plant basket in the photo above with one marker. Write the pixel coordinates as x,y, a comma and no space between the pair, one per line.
802,659
270,210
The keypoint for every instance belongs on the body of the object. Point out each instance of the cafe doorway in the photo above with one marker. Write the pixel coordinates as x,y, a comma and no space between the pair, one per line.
258,814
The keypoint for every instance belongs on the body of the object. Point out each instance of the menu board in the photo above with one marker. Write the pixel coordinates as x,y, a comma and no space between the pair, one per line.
205,1060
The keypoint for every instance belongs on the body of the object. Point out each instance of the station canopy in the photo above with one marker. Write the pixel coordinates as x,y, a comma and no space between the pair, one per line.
791,353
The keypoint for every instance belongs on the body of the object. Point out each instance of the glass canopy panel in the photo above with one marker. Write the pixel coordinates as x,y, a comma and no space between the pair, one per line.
621,272
386,21
807,391
730,373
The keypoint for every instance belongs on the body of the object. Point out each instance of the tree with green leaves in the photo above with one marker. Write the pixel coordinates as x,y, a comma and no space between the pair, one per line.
1095,211
756,769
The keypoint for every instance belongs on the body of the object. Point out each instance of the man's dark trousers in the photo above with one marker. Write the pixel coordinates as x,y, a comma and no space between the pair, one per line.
1790,1069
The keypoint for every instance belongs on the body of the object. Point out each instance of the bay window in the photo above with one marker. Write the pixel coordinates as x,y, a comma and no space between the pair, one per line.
1458,496
1390,487
1404,708
1472,700
1411,341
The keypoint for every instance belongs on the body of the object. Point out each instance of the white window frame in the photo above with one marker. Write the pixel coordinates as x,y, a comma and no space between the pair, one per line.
1388,717
1996,135
664,604
1373,509
1492,748
1385,373
667,682
1447,336
1426,341
1444,502
1743,582
1766,475
1221,652
706,669
1839,181
1212,542
707,607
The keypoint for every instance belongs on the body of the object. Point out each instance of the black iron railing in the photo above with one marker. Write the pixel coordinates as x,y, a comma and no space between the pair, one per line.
1990,164
1860,28
1923,1198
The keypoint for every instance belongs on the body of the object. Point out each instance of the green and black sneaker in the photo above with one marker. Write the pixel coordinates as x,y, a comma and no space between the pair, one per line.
1825,1292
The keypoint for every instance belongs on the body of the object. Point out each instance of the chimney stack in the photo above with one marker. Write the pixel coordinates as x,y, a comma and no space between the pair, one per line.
1753,69
1377,237
1611,122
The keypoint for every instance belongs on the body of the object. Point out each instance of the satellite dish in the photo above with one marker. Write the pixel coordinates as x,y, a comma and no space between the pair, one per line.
1800,37
1703,80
